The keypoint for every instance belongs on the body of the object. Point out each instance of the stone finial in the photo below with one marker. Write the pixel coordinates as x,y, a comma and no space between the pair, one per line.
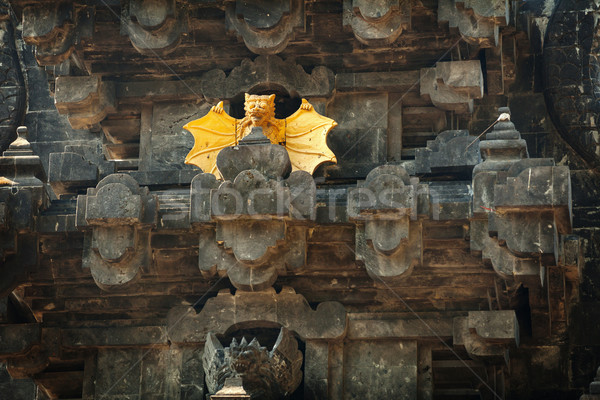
520,206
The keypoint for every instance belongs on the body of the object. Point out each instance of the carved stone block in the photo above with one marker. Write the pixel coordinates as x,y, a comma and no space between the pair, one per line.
487,335
22,198
520,206
271,373
387,241
478,21
55,29
68,172
268,70
120,215
265,26
377,23
84,99
244,309
153,26
450,151
452,85
254,225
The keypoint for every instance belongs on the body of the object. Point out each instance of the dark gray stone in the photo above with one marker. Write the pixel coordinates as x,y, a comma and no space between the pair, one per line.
451,151
271,160
376,23
270,71
262,27
380,369
70,173
285,308
154,28
360,137
270,374
120,215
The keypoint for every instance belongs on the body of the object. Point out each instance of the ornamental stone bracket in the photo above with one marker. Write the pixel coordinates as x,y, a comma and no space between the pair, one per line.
377,23
22,350
478,21
117,215
254,223
521,206
22,198
487,335
388,235
86,100
55,29
270,374
452,85
153,26
265,26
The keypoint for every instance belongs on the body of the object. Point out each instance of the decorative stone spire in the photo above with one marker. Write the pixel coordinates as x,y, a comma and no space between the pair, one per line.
19,165
504,142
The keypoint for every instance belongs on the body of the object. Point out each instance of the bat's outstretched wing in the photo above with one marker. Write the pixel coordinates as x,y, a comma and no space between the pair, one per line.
306,138
212,133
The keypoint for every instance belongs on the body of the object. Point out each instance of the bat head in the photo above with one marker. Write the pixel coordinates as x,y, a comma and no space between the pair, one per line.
260,109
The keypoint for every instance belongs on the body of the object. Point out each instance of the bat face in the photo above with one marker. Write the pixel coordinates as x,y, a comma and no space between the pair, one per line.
259,109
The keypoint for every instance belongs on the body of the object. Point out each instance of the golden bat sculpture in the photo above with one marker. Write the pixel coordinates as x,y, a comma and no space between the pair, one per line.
303,134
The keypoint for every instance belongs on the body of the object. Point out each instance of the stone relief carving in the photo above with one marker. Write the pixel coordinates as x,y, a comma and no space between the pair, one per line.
268,70
262,208
268,374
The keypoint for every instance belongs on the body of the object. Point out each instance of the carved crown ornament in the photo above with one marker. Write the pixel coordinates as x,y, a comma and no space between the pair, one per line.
254,202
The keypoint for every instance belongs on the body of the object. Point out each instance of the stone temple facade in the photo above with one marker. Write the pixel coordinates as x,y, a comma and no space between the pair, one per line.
452,251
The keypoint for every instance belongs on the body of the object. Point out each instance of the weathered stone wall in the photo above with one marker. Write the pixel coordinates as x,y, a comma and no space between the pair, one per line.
383,117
